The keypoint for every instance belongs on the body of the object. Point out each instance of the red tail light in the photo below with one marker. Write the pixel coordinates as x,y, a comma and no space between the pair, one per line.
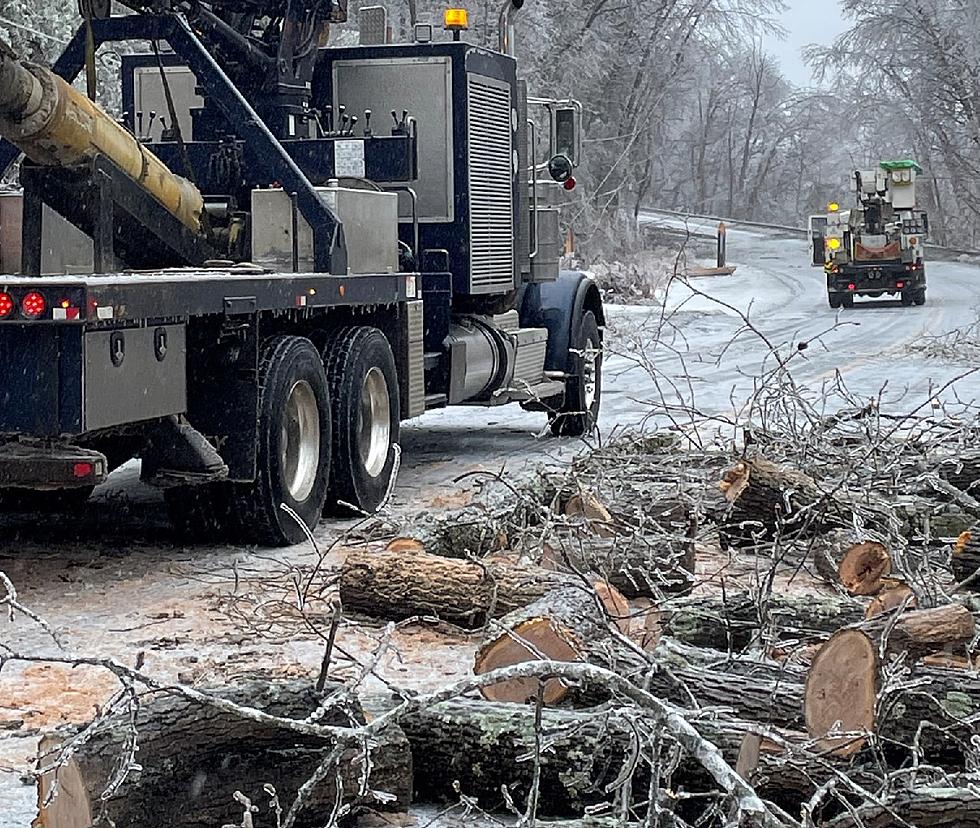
33,305
899,285
6,305
852,286
569,183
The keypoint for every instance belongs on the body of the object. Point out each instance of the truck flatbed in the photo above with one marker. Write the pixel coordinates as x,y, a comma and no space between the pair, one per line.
196,292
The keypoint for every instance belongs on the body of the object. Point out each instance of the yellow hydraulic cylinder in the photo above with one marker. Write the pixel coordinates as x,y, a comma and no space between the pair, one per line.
54,124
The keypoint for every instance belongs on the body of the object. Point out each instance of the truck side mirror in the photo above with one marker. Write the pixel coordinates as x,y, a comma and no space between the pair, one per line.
567,124
560,168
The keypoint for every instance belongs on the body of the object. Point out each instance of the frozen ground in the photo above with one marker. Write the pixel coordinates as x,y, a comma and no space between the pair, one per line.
111,583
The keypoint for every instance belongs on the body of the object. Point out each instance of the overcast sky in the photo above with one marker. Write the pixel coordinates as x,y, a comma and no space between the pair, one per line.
806,22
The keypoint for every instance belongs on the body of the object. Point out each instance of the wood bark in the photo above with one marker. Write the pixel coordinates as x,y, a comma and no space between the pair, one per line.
917,633
193,757
402,582
639,566
481,746
732,621
762,496
924,808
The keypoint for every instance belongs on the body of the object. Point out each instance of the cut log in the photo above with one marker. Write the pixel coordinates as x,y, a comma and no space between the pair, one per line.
841,690
963,472
916,633
965,561
480,746
404,583
923,807
564,625
193,758
896,595
762,495
638,566
587,507
732,621
857,563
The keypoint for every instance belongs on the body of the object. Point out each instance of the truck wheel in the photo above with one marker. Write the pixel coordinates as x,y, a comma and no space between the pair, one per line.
294,436
583,389
920,297
834,300
907,299
847,301
366,411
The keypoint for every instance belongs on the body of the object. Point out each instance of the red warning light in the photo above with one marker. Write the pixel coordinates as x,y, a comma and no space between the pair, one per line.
83,470
33,305
6,305
569,183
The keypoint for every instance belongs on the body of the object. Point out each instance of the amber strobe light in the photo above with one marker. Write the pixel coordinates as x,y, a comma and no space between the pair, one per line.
456,20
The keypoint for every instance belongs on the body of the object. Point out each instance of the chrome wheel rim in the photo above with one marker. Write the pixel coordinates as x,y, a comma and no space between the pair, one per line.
300,441
591,360
374,428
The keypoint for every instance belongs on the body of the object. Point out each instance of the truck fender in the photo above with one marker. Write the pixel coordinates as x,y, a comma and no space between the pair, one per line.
558,306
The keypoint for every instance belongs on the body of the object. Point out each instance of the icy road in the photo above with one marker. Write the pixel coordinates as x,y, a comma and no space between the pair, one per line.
111,583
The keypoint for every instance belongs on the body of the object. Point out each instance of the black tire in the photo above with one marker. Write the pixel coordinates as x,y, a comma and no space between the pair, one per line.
847,301
920,297
57,500
202,514
907,298
834,300
293,397
578,414
361,368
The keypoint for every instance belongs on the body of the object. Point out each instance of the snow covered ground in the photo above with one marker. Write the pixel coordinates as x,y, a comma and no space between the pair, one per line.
111,583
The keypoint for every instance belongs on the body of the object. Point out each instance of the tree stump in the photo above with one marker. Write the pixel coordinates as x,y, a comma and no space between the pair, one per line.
193,757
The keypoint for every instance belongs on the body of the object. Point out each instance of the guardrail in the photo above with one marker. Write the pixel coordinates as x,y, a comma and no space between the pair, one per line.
736,223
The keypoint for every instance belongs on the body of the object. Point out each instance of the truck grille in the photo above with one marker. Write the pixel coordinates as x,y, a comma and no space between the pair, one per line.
491,186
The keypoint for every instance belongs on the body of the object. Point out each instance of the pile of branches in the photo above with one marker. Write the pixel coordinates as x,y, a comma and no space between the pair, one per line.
792,603
664,632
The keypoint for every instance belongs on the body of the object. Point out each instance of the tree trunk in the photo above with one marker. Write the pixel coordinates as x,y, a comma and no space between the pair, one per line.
732,622
565,626
920,632
638,566
923,808
765,500
483,745
844,678
963,471
193,757
841,691
401,584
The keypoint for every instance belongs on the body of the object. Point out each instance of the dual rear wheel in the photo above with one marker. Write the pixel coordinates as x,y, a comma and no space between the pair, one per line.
326,440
